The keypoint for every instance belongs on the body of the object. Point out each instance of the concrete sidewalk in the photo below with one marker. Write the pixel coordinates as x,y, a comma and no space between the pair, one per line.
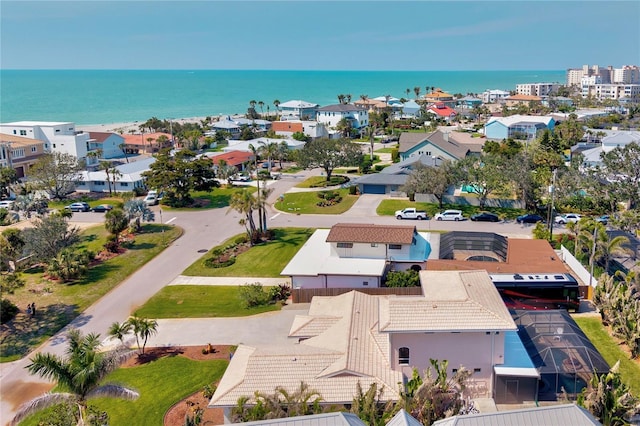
187,280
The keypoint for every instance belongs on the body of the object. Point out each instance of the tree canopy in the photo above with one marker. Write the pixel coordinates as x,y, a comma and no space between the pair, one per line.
56,173
329,154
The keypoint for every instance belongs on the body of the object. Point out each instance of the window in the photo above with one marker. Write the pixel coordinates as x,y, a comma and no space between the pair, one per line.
34,149
365,283
477,370
23,133
395,246
54,145
15,133
374,244
345,245
403,356
124,183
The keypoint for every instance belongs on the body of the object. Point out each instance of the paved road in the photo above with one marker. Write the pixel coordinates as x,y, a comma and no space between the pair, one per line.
202,230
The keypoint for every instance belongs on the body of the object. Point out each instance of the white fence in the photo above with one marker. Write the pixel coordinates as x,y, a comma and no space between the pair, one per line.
577,267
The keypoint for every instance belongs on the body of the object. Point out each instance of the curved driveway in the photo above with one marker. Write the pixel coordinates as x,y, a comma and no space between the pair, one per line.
202,230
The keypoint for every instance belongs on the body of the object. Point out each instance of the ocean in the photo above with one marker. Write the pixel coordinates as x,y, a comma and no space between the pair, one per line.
115,96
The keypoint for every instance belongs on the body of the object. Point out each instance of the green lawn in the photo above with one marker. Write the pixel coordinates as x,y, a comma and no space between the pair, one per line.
321,181
199,301
305,203
384,150
116,201
389,207
58,304
161,384
263,260
610,350
217,198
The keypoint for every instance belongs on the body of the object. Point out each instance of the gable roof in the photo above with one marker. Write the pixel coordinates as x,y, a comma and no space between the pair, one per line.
441,110
453,301
339,418
514,119
233,158
369,233
103,136
141,138
402,418
287,126
445,141
410,140
565,414
346,351
406,166
19,140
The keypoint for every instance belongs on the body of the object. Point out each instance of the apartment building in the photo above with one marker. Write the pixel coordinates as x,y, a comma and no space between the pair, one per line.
57,136
537,89
594,86
627,74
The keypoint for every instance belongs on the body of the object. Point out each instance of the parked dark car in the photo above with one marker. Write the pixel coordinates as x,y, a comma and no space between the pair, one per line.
102,208
529,218
78,207
485,217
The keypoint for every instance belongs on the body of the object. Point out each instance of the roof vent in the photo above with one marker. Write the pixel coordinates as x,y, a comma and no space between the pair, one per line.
434,306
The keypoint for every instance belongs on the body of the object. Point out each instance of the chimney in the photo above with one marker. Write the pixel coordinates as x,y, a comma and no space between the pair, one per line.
446,136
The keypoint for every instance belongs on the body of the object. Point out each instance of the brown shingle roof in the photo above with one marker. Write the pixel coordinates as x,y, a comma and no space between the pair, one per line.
409,140
365,233
523,98
101,136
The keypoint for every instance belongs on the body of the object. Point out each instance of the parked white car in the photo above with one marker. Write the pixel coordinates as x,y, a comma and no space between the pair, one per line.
566,218
152,198
6,204
449,215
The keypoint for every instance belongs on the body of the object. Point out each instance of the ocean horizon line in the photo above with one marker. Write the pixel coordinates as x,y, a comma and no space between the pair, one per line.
276,70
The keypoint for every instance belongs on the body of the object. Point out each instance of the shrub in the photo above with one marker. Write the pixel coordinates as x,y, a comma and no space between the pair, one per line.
8,311
353,190
111,245
408,278
395,155
365,166
253,295
379,167
208,391
214,262
279,292
240,239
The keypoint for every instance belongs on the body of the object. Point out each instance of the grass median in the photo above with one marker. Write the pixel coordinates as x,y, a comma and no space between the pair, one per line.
389,207
307,203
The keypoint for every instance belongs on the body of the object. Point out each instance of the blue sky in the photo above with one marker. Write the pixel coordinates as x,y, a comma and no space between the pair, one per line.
318,35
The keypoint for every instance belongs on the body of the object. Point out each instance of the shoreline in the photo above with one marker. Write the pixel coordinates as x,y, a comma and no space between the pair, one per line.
126,127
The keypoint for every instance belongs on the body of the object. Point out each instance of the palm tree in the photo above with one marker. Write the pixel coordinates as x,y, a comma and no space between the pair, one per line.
416,90
120,330
143,328
607,247
276,103
244,203
116,221
123,148
341,98
106,166
79,373
261,105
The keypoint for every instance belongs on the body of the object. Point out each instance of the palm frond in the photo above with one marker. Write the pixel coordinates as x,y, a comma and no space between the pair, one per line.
40,403
113,391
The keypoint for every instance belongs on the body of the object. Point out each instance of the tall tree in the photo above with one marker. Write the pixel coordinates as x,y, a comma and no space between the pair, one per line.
430,180
57,174
180,174
329,154
137,211
8,176
143,328
48,237
80,374
483,175
276,103
622,168
244,203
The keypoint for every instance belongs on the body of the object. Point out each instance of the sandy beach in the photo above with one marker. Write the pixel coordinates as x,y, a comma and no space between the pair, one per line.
125,128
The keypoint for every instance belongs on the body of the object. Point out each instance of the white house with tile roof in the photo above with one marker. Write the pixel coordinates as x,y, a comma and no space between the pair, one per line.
351,255
331,115
356,338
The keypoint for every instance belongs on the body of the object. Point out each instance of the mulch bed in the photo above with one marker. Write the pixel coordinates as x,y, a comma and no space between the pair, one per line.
176,414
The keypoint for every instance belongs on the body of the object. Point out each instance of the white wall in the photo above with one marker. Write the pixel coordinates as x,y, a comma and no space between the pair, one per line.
307,282
341,281
471,350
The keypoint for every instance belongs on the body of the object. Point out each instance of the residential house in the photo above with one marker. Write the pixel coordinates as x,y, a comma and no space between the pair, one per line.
371,104
111,145
494,96
258,124
438,96
438,144
331,115
128,177
556,101
357,255
312,129
147,142
359,339
392,178
20,153
57,136
524,127
297,110
238,159
440,110
411,109
564,414
515,100
468,102
613,139
226,125
240,145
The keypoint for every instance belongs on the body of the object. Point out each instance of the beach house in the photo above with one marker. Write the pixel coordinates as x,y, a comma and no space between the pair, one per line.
440,110
111,145
297,110
357,255
355,338
57,136
439,144
391,179
312,129
128,178
331,115
20,153
523,127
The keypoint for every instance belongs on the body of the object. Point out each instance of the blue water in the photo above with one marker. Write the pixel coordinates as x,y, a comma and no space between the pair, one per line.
112,96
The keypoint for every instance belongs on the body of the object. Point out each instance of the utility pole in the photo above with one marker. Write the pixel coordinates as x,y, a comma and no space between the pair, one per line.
552,190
